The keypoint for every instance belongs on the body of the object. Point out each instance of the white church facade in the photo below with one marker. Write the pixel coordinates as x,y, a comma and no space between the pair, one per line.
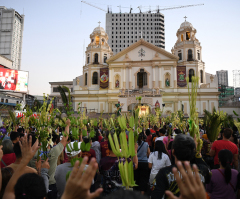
145,70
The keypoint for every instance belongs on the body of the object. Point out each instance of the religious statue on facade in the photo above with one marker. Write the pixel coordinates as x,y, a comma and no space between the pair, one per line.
78,81
119,108
117,84
167,82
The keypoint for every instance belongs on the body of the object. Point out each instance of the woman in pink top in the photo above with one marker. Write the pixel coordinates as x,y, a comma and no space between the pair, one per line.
224,180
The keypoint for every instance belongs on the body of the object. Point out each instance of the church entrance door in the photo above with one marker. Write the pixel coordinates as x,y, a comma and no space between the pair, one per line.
142,79
140,84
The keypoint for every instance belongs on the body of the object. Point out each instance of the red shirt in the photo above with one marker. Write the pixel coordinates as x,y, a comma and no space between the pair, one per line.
8,159
149,140
91,154
100,138
152,131
104,149
223,144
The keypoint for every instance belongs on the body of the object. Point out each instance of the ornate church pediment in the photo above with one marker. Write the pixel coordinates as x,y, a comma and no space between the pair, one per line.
141,51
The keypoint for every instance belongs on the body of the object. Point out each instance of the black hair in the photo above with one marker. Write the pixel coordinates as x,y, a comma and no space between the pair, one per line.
14,135
20,130
148,132
227,133
86,140
140,138
225,158
7,173
55,137
184,147
157,134
159,146
7,146
162,131
119,194
30,186
177,131
107,134
17,150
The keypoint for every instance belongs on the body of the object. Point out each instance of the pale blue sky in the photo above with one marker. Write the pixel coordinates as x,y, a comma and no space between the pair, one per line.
55,32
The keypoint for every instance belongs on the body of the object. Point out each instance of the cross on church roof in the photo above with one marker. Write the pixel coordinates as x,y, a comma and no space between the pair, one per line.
99,23
185,18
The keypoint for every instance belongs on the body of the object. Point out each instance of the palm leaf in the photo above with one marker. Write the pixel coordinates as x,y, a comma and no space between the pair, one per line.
69,93
63,95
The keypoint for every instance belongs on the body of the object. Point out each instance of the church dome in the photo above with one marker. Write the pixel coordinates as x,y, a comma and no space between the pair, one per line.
99,29
186,24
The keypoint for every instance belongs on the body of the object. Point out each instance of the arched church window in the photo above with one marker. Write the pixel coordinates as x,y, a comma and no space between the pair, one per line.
95,78
190,55
201,76
88,59
180,54
95,58
103,41
97,40
187,35
85,79
181,37
190,74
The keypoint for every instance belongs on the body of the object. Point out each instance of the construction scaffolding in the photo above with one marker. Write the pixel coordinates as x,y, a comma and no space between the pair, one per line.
236,78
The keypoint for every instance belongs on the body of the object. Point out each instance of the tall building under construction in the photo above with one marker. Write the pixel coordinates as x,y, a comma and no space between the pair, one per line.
124,29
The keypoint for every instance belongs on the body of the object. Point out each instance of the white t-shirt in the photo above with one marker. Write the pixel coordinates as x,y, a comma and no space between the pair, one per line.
160,138
158,164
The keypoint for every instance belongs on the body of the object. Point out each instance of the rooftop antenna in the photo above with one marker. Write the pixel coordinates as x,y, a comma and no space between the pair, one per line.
108,9
158,9
119,9
131,9
140,8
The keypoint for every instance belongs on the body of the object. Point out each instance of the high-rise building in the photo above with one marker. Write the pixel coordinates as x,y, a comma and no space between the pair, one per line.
237,91
11,34
222,77
124,29
236,78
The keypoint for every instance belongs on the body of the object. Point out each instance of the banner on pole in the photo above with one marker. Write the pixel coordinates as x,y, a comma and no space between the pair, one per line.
104,77
181,76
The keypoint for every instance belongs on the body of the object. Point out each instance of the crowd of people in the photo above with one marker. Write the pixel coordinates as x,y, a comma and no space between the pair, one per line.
166,165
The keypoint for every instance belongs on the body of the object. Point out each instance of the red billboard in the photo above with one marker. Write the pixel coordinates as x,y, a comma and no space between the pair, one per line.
13,80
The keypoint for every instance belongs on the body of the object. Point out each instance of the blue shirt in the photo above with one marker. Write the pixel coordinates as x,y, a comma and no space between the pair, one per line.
142,152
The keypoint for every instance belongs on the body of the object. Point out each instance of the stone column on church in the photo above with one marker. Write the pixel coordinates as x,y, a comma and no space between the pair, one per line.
124,78
130,77
153,75
89,82
160,77
175,76
109,107
204,76
110,78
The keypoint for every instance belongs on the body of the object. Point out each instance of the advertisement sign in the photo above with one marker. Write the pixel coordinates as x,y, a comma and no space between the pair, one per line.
13,80
181,76
104,77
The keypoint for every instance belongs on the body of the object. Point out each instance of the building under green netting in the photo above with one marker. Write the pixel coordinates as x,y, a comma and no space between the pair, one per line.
225,93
